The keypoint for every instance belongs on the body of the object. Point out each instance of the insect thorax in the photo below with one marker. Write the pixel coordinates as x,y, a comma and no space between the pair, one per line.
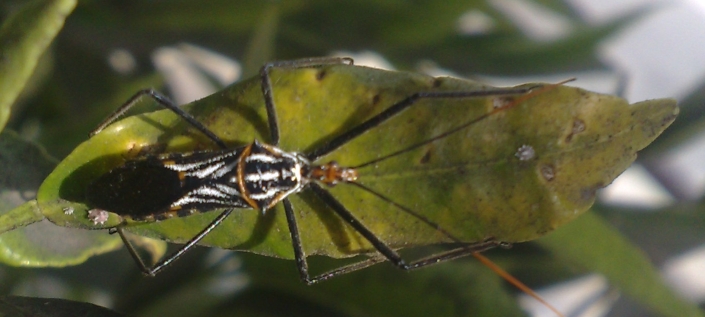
267,174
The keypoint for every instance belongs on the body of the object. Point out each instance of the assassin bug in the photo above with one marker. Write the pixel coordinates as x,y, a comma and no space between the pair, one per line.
259,176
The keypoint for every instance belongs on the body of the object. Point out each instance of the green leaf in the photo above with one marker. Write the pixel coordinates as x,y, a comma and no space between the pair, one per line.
592,243
471,183
22,167
662,233
24,37
24,215
50,307
261,48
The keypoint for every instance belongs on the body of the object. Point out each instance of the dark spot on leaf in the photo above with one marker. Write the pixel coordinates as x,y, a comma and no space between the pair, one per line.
548,172
376,99
437,82
667,120
588,193
321,74
462,171
426,157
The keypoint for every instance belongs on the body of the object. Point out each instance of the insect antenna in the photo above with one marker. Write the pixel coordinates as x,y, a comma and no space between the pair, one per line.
398,108
463,250
513,104
408,210
484,260
512,280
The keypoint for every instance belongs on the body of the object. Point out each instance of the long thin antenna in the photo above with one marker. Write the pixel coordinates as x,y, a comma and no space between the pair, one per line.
484,260
512,280
400,106
514,103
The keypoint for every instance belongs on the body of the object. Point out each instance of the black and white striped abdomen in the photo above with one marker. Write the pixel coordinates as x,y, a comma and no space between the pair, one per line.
165,186
208,180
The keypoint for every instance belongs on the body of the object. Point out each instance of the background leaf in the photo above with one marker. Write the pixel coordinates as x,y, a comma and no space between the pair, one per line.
23,166
50,307
79,81
23,38
595,245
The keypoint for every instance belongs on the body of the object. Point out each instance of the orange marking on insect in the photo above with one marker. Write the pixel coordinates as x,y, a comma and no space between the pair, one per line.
332,174
241,176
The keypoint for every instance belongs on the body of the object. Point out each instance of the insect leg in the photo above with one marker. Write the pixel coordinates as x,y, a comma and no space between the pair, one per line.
350,219
299,255
164,102
267,85
401,106
152,271
457,253
434,259
131,249
387,253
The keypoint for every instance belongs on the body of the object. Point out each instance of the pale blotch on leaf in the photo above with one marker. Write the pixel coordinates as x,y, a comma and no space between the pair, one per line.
578,127
98,216
499,102
68,210
525,153
548,172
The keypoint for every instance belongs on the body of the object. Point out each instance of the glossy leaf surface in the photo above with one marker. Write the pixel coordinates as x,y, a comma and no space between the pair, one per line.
471,182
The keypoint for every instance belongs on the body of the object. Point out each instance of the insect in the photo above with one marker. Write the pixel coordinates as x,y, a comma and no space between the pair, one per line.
261,175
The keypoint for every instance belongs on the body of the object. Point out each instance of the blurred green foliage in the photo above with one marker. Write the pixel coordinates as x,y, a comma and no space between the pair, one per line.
73,88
